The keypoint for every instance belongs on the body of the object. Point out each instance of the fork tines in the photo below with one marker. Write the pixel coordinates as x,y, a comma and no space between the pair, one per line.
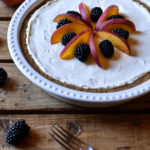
66,139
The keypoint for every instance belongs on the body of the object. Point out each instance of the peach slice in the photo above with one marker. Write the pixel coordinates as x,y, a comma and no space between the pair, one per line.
71,17
12,2
68,51
71,27
110,11
85,13
117,41
97,55
117,23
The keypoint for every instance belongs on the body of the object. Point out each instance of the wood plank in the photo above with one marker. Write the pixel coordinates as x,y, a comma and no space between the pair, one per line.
21,96
6,11
103,132
4,52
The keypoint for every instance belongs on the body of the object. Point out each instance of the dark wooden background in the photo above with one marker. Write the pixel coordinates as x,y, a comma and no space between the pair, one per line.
123,127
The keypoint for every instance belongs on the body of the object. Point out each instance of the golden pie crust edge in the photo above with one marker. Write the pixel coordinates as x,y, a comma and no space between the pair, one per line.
23,46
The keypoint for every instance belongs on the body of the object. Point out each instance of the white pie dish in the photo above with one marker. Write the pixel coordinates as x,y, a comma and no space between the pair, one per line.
68,95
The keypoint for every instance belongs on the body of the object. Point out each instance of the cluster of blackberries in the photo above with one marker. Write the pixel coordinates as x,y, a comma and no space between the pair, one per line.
17,132
83,50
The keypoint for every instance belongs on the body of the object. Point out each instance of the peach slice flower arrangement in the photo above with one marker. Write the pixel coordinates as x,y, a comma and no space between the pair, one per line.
90,32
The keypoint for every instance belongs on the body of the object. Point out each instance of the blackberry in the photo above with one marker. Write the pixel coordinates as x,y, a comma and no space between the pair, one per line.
17,132
74,13
63,22
82,52
116,17
67,37
96,12
3,77
107,48
121,32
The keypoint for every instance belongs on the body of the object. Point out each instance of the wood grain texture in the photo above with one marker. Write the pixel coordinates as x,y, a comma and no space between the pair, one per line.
104,132
123,127
4,52
21,96
6,11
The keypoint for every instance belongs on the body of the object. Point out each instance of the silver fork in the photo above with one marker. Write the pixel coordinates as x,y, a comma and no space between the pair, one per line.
67,140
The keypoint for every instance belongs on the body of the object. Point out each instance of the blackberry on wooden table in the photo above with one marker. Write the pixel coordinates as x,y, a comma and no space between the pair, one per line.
17,132
3,77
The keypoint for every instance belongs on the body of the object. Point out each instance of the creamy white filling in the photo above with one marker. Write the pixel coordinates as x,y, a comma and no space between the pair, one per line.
123,69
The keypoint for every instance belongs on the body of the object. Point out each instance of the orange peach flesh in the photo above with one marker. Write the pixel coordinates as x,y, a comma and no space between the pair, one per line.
83,29
68,51
73,18
115,26
72,27
97,55
113,11
85,13
110,11
117,23
117,41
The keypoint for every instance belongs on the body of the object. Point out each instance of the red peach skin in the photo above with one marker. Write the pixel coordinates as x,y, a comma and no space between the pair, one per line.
110,11
72,27
97,55
71,17
119,42
117,23
85,13
68,51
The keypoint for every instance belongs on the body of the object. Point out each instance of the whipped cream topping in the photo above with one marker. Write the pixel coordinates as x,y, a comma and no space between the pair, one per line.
123,69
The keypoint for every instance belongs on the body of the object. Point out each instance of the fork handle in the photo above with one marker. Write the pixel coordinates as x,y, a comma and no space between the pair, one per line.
89,148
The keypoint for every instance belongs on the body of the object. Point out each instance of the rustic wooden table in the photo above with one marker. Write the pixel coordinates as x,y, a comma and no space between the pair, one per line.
124,127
